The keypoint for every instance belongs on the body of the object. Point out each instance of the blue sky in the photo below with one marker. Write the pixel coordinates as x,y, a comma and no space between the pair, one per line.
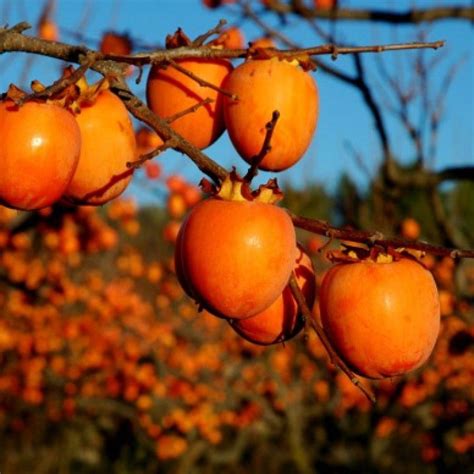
343,115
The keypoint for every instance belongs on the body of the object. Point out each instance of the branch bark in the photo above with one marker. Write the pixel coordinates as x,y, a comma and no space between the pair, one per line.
410,16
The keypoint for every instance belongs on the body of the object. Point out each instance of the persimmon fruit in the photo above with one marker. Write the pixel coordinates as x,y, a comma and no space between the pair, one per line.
108,144
41,143
231,38
263,86
325,4
170,91
282,320
236,255
382,318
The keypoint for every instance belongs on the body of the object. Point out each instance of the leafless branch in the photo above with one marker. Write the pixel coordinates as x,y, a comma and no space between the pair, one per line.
375,238
266,147
410,16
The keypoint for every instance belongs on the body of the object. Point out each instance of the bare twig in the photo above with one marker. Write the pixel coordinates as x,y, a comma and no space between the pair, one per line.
152,154
335,359
64,82
199,41
199,80
409,16
189,110
375,238
266,147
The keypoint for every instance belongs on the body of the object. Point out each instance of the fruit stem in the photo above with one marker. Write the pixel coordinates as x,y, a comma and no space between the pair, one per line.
335,359
266,147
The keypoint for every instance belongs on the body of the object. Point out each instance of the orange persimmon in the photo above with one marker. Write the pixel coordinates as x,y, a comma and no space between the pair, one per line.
325,4
282,319
108,143
242,266
382,318
263,86
170,91
41,143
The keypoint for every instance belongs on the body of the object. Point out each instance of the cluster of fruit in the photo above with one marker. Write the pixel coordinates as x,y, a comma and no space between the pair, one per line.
241,270
73,147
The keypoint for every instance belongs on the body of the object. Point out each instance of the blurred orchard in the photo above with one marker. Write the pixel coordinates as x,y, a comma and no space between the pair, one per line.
107,366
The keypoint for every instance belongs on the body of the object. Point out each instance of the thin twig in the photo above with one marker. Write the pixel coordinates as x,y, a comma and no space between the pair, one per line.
199,41
64,82
335,359
152,154
410,16
266,147
199,80
375,238
189,110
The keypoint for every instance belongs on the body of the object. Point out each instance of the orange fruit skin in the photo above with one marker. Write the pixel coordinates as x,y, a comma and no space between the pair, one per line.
108,143
325,4
382,318
263,86
236,257
39,152
170,92
282,319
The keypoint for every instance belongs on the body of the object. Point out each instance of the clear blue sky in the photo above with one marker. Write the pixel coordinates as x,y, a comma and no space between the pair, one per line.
343,116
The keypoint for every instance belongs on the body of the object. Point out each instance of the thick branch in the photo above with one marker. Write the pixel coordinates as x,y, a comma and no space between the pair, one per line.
411,16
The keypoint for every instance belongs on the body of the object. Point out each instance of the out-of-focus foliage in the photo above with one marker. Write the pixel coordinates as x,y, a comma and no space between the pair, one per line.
106,366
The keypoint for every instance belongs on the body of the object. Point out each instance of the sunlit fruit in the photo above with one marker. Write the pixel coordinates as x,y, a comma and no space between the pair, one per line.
152,170
282,320
263,86
170,92
325,4
115,43
237,254
263,42
410,228
231,38
39,152
48,30
382,318
108,144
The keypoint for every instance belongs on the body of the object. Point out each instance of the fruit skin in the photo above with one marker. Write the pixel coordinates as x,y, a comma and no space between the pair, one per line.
382,318
236,257
108,143
282,320
39,152
170,91
325,4
263,86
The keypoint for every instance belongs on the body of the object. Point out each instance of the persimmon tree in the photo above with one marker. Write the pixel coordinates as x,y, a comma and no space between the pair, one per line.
255,276
287,150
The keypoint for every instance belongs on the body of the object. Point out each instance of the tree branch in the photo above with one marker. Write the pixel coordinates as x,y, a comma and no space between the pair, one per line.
411,16
335,359
375,238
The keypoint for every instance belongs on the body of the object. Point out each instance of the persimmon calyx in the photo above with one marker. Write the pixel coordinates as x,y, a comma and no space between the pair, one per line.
354,252
235,188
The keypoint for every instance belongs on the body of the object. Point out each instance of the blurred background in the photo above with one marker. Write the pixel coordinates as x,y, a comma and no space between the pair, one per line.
105,364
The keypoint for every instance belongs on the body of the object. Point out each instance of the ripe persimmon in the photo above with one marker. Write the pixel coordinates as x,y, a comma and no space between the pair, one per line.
108,144
263,42
231,38
410,228
235,254
170,91
382,318
41,143
263,86
325,4
282,319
